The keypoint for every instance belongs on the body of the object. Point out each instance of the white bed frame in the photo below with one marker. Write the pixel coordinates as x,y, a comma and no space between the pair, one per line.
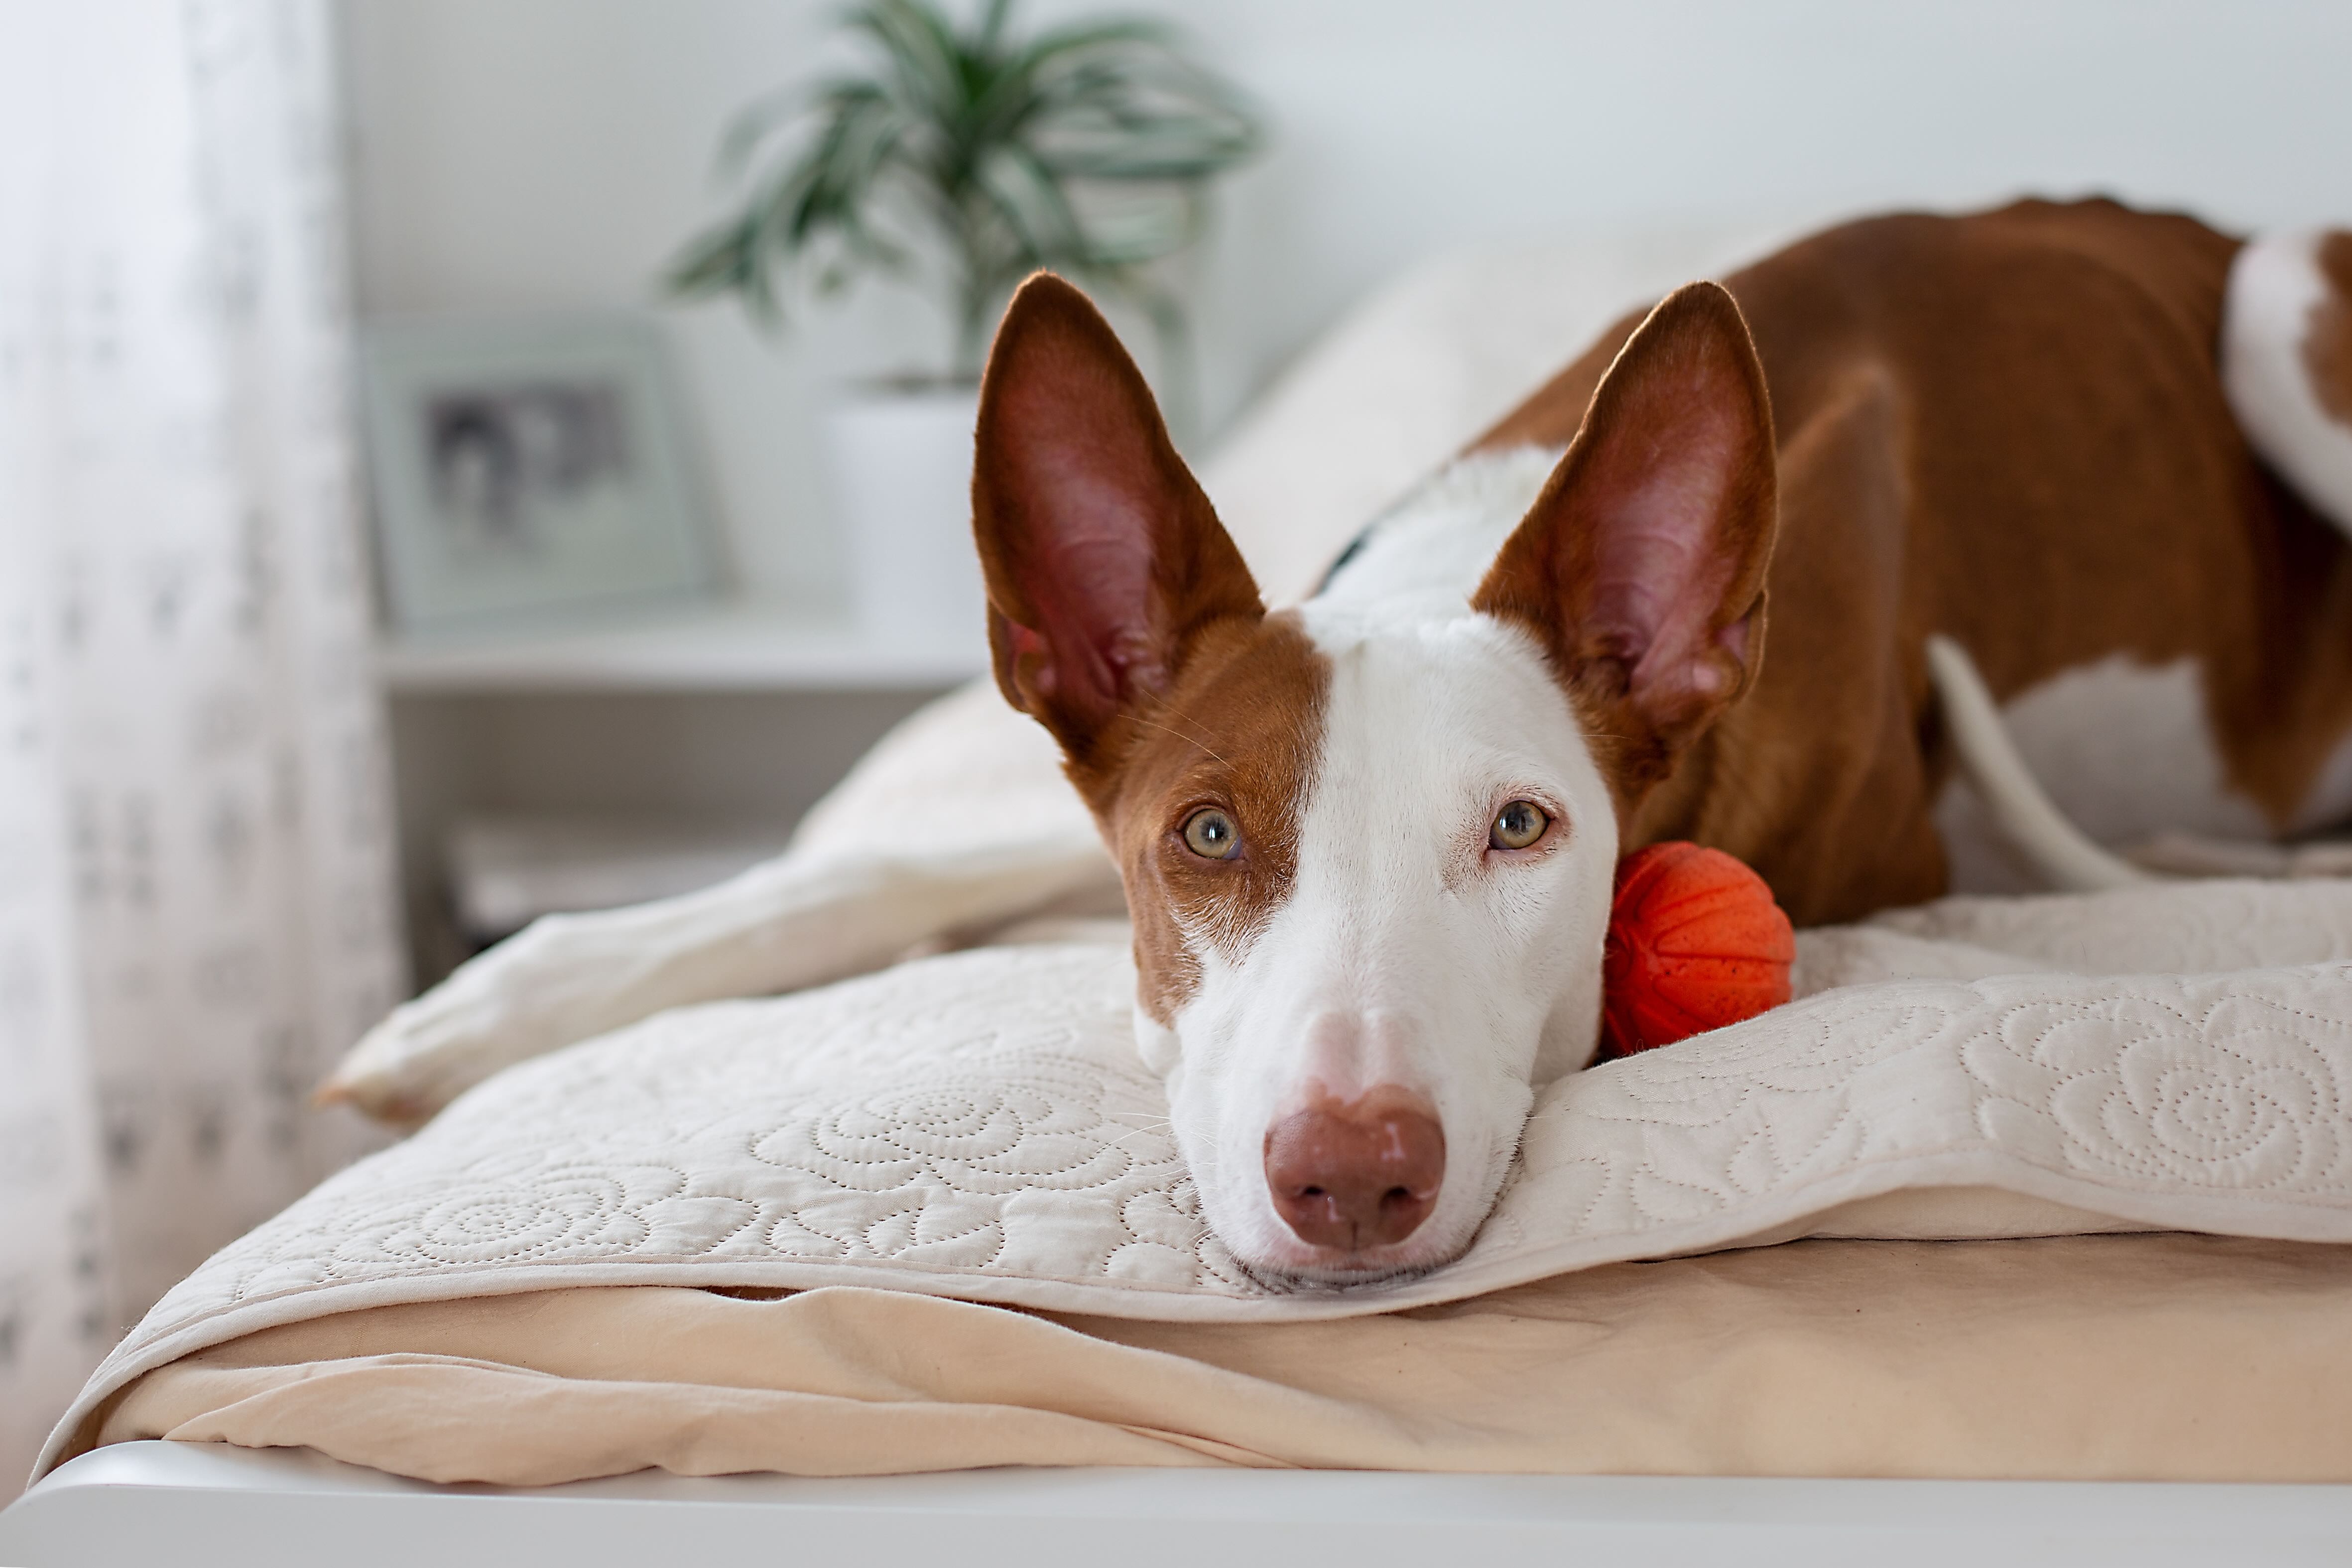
200,1504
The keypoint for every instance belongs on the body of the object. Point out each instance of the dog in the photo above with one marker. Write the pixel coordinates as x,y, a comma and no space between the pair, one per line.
1367,842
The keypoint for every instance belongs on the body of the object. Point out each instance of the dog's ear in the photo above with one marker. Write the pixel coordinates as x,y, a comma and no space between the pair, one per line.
1104,559
1641,566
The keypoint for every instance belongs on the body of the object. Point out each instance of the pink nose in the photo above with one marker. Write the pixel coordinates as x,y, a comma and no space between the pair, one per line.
1359,1174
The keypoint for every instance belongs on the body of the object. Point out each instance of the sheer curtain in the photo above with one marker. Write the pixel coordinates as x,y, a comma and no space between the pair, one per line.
196,906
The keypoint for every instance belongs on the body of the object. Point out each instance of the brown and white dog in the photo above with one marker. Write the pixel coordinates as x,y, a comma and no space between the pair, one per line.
1367,842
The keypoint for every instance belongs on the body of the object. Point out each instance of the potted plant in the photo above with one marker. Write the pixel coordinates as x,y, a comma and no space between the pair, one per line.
966,156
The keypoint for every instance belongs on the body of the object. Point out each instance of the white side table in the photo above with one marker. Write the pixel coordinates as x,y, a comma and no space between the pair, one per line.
743,715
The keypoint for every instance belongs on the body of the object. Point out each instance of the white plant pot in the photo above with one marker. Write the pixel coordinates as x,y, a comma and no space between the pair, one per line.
902,480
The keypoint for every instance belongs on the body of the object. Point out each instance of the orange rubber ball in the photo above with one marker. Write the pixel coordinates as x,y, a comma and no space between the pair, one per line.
1695,942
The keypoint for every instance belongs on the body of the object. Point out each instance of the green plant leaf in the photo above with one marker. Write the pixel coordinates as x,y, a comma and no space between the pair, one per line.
1086,147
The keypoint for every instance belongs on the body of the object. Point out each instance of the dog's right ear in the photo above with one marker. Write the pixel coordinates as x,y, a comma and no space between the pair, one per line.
1104,559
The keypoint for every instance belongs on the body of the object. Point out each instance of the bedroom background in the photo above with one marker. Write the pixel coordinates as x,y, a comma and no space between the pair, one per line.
203,764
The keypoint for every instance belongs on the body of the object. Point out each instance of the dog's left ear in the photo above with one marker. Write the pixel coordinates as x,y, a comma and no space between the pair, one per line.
1640,567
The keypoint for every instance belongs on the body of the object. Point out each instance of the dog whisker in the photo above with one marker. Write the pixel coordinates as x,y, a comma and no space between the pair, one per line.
1171,729
1180,735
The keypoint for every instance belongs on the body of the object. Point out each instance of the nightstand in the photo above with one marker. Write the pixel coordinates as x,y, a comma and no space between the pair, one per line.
730,721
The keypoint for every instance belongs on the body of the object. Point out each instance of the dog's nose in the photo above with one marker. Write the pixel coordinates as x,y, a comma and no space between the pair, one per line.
1359,1174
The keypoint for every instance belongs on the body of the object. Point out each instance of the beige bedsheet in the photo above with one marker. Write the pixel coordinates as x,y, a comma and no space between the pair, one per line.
2152,1357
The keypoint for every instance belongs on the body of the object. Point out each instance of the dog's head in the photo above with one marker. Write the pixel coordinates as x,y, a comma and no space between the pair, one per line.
1369,843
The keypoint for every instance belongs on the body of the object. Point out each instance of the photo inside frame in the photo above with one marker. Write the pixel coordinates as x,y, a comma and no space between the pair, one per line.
529,474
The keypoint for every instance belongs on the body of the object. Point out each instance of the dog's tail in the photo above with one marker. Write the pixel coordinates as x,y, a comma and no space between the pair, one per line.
2021,811
2286,360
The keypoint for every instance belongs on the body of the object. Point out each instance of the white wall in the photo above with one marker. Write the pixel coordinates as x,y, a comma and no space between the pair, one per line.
536,152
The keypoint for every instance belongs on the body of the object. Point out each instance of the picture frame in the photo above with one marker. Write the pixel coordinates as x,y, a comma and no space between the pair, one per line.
529,474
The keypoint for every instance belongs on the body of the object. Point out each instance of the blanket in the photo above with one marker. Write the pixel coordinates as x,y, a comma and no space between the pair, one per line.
976,1125
2112,1357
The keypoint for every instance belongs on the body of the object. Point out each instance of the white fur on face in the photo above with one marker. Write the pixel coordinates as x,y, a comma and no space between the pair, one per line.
1409,951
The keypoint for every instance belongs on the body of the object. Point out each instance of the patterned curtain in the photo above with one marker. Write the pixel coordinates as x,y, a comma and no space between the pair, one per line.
196,909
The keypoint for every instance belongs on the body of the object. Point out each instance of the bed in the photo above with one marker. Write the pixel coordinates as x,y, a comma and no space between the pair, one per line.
147,1503
2024,1200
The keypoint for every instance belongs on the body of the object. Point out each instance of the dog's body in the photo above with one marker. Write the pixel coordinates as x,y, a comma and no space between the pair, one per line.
2011,428
1367,843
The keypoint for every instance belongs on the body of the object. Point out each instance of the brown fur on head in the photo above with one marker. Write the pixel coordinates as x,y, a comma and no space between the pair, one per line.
1123,619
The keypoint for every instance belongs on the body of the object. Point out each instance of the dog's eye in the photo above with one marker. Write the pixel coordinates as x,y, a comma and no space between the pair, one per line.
1517,825
1211,834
